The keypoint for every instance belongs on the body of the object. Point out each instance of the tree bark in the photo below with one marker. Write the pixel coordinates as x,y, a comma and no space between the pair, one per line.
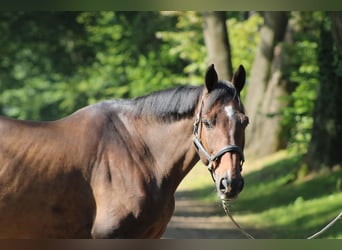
325,148
336,19
266,86
217,43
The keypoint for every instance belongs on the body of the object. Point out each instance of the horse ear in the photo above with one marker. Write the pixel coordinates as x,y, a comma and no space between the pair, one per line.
211,78
239,78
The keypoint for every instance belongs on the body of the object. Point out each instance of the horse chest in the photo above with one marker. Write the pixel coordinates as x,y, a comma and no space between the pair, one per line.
153,219
143,217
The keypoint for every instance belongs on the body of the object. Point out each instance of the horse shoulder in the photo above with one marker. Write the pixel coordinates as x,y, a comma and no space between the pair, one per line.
128,198
44,168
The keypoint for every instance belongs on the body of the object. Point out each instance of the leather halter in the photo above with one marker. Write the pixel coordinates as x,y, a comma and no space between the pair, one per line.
212,157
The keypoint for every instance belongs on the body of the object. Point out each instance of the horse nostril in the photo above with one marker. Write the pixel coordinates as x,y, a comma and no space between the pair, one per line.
223,184
226,186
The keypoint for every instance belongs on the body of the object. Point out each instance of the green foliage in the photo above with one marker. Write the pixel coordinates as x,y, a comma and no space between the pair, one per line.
303,73
84,58
30,78
130,58
326,144
244,38
186,43
47,73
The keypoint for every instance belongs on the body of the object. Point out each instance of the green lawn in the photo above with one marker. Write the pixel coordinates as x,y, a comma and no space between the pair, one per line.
273,203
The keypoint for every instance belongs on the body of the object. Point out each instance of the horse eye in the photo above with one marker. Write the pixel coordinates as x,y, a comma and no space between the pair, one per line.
207,123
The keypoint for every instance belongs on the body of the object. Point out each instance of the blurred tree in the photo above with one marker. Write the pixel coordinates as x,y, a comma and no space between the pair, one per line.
336,18
266,86
53,63
130,59
217,43
244,38
38,49
303,72
185,43
326,145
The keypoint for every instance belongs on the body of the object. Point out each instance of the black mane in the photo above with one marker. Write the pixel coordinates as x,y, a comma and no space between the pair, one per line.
169,105
172,104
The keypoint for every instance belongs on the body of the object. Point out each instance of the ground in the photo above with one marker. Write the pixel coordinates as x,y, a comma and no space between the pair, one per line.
195,219
198,219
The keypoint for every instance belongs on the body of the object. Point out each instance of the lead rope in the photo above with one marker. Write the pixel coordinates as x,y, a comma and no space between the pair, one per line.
226,206
326,227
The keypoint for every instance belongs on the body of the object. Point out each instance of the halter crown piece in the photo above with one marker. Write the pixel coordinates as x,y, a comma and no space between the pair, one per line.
200,148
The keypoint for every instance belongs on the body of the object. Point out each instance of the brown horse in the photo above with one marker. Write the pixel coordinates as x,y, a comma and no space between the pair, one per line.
110,170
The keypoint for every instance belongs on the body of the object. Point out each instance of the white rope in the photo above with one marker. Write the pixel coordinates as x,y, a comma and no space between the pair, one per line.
229,214
326,227
226,209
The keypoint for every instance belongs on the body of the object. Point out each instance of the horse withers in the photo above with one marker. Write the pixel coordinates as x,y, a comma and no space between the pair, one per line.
110,170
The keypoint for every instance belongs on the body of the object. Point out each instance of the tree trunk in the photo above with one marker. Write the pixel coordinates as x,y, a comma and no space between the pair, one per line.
336,19
217,43
266,86
325,148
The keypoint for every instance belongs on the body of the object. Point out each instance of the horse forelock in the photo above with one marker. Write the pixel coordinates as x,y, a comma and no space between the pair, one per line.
223,92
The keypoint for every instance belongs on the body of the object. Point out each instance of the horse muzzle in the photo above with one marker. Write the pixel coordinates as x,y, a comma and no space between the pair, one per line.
228,188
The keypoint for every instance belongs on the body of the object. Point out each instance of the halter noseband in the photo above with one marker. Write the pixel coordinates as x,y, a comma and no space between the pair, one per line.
212,157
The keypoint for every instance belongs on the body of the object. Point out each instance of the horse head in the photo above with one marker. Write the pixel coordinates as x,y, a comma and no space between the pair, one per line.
219,131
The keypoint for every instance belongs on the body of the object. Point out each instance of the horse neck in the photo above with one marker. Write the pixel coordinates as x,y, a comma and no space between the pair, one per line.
171,148
156,133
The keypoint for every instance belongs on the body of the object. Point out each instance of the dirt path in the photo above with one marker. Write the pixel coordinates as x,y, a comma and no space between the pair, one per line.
202,220
196,219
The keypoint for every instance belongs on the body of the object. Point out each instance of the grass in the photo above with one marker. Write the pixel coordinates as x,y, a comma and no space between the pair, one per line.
274,204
